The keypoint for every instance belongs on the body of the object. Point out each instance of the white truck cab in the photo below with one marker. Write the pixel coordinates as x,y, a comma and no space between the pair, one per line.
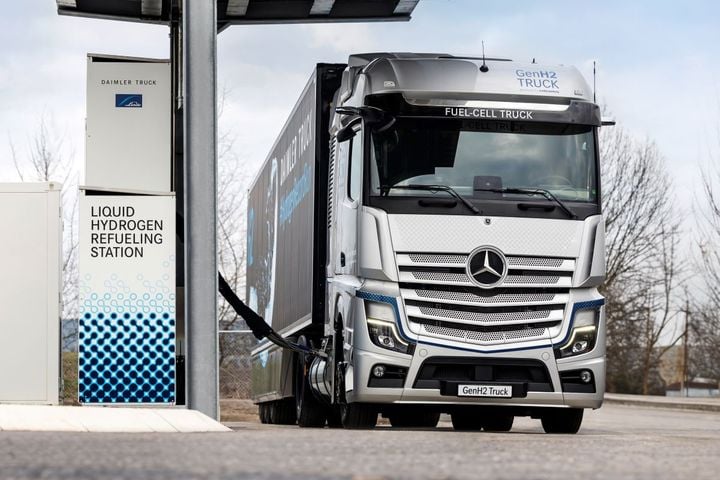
463,244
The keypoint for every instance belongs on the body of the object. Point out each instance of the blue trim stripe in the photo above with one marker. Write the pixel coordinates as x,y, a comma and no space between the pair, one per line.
374,297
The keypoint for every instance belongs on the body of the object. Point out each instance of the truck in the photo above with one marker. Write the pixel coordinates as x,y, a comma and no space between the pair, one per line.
430,227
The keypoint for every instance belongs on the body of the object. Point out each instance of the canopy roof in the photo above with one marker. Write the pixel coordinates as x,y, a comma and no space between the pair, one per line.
231,12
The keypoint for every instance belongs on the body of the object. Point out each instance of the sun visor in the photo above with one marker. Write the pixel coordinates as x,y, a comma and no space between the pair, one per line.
574,112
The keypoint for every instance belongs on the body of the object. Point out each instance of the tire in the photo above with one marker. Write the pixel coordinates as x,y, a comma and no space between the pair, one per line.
358,416
562,420
334,419
498,422
284,412
467,420
271,413
414,419
310,412
264,413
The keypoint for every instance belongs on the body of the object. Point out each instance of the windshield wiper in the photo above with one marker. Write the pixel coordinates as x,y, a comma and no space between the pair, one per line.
434,188
533,191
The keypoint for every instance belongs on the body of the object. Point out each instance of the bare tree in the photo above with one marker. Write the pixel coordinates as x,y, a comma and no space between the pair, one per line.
232,180
231,231
235,365
660,310
705,326
642,268
703,342
48,159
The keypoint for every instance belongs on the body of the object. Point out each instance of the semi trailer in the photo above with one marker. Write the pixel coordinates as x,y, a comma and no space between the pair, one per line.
429,227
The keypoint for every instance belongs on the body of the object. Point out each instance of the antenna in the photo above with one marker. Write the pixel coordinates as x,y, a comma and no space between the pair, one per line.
594,90
483,68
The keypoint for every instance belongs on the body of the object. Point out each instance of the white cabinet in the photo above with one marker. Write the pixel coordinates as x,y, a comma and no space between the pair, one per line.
30,290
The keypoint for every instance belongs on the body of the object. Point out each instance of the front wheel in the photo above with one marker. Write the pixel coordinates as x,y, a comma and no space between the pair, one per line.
358,416
467,420
334,418
562,420
414,419
498,422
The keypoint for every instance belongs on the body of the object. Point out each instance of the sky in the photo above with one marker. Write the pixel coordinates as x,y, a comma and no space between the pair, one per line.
658,67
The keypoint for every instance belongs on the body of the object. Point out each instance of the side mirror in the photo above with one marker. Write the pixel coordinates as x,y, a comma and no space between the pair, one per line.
371,115
348,111
346,133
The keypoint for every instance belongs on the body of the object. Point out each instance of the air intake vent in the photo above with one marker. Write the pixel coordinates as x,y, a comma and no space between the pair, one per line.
442,301
331,183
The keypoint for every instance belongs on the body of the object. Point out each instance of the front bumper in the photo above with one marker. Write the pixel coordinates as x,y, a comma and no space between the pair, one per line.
363,362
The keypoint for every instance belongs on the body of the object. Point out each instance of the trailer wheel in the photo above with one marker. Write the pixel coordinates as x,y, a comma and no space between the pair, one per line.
272,413
414,419
358,416
562,420
309,410
467,420
282,412
264,413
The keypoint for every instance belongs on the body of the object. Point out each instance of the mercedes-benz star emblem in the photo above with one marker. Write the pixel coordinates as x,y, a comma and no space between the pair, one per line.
487,267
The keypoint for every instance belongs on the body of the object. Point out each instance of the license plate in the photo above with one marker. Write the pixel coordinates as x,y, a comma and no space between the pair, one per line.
495,391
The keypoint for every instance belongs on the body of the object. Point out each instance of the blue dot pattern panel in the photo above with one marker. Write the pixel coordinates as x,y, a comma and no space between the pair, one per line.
126,355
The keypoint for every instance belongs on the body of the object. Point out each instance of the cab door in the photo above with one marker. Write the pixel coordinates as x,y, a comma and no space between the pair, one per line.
347,199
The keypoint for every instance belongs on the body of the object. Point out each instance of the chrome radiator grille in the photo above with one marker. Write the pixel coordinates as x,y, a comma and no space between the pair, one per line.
442,301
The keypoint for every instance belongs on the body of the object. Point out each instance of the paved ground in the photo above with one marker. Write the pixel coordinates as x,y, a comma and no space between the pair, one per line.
615,442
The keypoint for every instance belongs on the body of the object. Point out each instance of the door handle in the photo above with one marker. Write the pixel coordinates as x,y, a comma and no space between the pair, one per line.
342,259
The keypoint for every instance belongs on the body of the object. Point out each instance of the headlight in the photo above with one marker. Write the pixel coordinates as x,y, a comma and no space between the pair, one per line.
585,318
583,336
383,330
383,334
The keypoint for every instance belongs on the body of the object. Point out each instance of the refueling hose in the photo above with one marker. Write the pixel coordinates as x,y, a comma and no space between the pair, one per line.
258,326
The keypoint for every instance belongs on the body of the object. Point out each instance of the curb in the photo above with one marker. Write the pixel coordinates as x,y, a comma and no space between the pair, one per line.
106,419
642,402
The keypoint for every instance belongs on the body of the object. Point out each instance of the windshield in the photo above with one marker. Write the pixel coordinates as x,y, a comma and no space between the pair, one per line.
472,157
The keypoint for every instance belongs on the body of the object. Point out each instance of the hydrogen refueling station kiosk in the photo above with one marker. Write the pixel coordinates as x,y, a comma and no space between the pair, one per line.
148,267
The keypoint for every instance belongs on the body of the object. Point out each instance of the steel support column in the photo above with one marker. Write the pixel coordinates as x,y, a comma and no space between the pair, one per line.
199,37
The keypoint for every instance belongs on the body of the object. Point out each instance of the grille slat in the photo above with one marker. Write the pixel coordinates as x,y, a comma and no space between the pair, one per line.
514,262
499,300
527,281
484,337
435,259
442,301
493,318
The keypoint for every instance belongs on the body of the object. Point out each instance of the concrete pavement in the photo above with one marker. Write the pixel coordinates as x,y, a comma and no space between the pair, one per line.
616,441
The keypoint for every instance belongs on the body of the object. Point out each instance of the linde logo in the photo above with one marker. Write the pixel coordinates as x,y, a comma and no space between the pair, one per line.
125,100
